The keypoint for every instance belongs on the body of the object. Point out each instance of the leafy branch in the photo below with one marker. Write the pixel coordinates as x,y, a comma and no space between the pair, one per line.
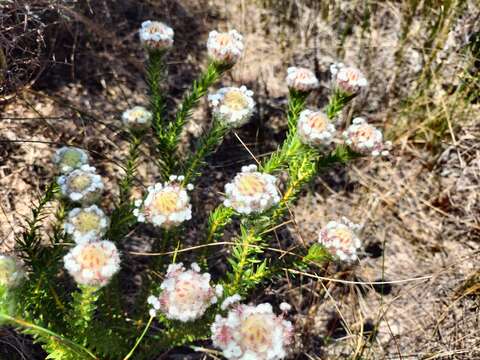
206,145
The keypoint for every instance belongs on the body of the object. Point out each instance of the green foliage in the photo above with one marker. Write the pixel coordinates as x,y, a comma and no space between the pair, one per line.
122,219
292,145
218,219
156,75
29,243
169,138
317,254
337,102
247,269
206,145
57,346
81,313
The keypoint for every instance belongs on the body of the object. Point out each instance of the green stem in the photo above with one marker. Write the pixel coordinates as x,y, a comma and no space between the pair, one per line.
156,70
170,138
139,340
83,308
291,145
47,335
206,146
337,102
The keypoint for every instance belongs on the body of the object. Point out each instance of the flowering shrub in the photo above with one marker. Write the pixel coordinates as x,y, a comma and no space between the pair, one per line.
94,316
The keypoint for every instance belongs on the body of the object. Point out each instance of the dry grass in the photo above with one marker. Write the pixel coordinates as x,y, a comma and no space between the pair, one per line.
420,209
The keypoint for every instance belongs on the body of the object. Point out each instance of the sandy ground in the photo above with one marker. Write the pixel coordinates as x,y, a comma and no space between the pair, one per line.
420,208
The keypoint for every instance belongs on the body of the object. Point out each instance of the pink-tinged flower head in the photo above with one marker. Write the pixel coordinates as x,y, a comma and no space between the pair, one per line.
301,79
232,106
93,264
186,294
365,138
252,332
82,185
348,79
315,129
166,204
155,35
225,47
251,191
340,239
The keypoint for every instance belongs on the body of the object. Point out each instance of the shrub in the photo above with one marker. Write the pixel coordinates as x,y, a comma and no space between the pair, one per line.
83,313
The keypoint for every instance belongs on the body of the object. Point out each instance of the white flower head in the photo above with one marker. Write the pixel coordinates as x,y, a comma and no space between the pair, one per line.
348,79
185,295
225,47
69,158
155,35
315,129
251,191
365,138
340,239
82,185
301,79
252,332
232,105
11,271
137,117
86,224
229,301
94,263
166,204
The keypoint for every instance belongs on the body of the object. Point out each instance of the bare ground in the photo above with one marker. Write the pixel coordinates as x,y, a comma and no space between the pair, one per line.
420,207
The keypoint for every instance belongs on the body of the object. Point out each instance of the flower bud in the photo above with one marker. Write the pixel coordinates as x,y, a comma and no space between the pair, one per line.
301,79
81,185
137,118
340,239
186,294
252,332
232,106
86,224
225,47
93,264
68,159
166,204
315,129
251,191
155,35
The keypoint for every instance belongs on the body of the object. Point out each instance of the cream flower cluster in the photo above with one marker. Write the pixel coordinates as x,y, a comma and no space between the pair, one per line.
86,224
232,106
166,204
251,191
186,294
137,117
348,79
81,185
252,332
314,128
68,159
301,79
365,138
340,239
155,35
225,47
11,271
93,264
